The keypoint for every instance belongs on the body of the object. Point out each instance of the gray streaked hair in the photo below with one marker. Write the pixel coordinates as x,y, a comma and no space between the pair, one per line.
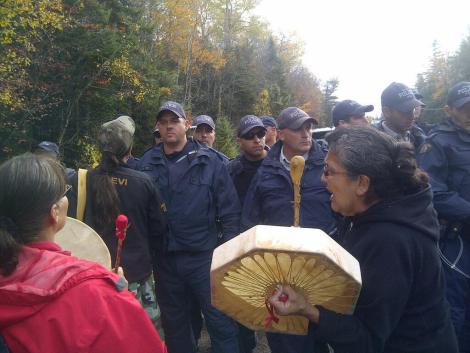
390,165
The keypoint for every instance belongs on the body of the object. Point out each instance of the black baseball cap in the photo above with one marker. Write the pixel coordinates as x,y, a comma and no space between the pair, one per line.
203,119
399,97
173,107
293,118
247,123
269,121
459,95
348,108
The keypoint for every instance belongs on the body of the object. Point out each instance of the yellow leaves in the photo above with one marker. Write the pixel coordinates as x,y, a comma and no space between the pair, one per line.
262,106
7,98
186,27
23,20
22,24
165,91
91,154
132,82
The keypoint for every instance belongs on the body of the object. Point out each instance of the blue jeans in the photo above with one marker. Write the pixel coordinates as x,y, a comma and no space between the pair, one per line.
180,276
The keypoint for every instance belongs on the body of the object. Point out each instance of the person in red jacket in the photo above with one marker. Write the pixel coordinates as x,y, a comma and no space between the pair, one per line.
51,301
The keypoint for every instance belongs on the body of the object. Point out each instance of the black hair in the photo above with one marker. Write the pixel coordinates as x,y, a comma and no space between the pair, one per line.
29,186
390,165
105,199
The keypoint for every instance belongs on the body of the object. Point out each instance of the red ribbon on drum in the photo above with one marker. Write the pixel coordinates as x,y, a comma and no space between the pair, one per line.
272,316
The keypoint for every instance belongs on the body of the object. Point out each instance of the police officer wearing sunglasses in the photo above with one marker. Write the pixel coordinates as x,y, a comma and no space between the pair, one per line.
251,134
270,196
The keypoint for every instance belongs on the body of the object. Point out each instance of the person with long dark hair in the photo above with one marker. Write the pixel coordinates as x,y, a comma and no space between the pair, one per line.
51,301
114,188
391,228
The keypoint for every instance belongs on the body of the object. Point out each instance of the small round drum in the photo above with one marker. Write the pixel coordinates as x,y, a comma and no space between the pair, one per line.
83,242
246,270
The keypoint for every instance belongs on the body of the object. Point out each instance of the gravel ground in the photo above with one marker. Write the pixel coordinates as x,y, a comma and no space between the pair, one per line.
261,347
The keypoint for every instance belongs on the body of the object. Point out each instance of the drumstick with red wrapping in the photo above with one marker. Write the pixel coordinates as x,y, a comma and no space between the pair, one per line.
121,230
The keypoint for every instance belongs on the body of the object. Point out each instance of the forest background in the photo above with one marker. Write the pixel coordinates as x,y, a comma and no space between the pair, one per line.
67,66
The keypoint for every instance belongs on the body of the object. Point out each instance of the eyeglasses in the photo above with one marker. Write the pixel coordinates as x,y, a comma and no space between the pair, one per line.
251,135
328,172
67,189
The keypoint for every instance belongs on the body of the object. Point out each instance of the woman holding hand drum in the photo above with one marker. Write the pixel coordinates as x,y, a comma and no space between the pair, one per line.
391,228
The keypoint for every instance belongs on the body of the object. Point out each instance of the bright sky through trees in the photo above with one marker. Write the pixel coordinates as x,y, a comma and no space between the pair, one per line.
367,44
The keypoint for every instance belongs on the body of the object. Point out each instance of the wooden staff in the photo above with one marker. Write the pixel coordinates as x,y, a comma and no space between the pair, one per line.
297,164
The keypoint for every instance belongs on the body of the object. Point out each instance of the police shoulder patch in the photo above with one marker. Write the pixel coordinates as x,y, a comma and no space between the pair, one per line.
424,148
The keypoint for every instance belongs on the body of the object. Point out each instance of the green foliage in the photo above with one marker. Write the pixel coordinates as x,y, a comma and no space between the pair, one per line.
262,104
67,66
225,140
443,72
329,100
23,24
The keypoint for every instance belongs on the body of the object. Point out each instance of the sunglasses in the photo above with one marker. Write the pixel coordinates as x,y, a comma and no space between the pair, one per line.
251,135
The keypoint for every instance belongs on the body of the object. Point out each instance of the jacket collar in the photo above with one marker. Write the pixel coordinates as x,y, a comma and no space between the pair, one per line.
316,156
199,153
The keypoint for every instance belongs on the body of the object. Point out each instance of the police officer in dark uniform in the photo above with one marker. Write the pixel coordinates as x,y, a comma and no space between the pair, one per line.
251,135
197,190
251,138
350,113
445,155
204,132
399,105
51,149
271,130
269,199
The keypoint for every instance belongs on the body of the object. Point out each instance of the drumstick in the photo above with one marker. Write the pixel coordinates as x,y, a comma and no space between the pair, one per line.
121,230
297,164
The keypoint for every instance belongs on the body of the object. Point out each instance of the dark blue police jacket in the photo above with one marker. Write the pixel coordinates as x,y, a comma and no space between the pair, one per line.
445,156
417,135
201,198
269,199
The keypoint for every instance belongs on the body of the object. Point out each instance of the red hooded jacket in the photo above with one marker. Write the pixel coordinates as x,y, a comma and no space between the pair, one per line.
54,302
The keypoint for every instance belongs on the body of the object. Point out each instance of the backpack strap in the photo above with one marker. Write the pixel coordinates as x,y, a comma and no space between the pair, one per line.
81,194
